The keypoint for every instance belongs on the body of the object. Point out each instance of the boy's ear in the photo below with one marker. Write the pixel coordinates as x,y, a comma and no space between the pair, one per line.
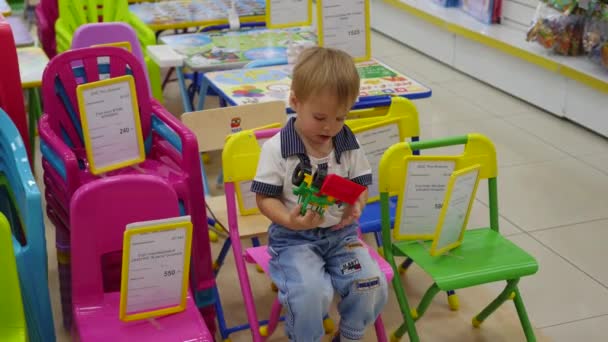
293,101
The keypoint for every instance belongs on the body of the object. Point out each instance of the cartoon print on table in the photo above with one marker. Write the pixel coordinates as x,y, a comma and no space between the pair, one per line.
235,125
271,52
247,91
222,54
250,76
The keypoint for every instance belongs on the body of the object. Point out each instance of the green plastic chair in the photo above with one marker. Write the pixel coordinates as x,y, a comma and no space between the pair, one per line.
12,318
484,256
74,13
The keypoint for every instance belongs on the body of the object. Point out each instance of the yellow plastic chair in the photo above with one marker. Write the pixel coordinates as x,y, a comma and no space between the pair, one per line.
12,318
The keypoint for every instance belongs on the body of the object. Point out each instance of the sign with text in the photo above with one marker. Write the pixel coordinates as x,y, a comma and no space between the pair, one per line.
456,209
345,25
111,126
422,197
155,268
288,13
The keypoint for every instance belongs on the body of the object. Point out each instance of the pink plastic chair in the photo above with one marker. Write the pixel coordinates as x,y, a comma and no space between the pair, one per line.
243,146
47,13
11,96
171,149
95,233
103,33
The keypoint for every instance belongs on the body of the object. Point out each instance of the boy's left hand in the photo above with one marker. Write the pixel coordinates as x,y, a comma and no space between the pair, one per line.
352,212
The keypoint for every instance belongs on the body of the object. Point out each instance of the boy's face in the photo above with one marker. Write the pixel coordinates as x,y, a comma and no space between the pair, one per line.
320,118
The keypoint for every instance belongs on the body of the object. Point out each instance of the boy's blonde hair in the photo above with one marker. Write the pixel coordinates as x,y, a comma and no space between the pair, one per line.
321,69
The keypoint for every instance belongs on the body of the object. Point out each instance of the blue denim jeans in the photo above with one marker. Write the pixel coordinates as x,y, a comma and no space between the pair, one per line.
307,266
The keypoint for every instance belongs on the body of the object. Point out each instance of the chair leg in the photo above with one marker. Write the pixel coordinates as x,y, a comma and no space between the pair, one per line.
453,300
497,302
425,302
267,330
405,265
523,316
408,324
380,332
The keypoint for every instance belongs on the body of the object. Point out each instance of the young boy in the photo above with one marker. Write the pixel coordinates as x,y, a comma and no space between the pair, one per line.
314,255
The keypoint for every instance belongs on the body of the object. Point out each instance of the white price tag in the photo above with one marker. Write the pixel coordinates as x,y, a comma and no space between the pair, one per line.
156,259
374,143
344,25
423,198
285,13
111,126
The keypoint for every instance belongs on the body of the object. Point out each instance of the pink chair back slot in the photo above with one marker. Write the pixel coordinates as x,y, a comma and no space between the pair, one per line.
112,32
65,72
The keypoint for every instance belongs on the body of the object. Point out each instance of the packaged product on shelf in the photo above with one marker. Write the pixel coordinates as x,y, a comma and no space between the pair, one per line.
482,10
595,38
447,3
557,31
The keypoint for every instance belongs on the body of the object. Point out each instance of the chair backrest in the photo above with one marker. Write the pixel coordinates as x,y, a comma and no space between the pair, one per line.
12,318
10,82
106,33
31,256
46,13
74,13
94,233
478,150
71,68
212,126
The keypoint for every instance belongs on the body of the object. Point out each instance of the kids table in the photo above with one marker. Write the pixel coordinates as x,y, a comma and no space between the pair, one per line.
32,61
181,14
378,83
222,50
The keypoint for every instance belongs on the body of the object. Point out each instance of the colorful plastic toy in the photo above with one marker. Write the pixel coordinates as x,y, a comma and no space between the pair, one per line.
318,191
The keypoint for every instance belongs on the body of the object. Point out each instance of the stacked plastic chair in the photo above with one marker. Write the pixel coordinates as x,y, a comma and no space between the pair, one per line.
20,202
130,198
75,13
46,13
10,83
12,319
171,154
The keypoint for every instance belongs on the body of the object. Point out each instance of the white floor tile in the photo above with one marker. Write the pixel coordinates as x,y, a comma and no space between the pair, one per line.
588,330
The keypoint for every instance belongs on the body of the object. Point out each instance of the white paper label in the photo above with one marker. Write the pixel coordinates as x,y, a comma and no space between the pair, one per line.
156,267
284,12
344,26
458,207
111,124
374,143
247,195
424,193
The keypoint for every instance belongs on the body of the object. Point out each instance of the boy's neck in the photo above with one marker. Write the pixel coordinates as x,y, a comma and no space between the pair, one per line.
312,149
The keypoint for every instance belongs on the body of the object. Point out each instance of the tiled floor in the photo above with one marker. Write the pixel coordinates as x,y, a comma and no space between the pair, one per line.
553,182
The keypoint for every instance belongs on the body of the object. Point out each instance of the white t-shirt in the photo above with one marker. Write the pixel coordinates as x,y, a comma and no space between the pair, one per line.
279,158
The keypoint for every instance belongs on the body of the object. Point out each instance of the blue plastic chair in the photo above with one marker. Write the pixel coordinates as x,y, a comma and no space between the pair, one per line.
31,256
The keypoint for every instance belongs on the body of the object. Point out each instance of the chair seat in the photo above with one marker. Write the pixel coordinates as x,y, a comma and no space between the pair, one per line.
370,220
249,226
13,334
260,256
102,324
484,256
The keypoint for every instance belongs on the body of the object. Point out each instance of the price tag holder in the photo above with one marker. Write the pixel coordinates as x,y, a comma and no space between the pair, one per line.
423,194
288,13
124,45
111,125
345,25
155,268
456,209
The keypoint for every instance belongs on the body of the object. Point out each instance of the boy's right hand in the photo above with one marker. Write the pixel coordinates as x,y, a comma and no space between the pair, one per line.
308,221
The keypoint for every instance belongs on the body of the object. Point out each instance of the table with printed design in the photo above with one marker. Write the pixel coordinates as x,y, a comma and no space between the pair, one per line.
379,83
178,14
225,49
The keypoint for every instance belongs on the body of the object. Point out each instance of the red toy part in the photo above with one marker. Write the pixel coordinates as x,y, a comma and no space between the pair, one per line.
342,189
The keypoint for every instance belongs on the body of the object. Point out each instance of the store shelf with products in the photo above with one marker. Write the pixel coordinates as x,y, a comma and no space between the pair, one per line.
571,87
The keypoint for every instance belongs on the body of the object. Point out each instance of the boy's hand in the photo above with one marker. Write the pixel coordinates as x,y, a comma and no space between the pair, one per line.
309,221
350,215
